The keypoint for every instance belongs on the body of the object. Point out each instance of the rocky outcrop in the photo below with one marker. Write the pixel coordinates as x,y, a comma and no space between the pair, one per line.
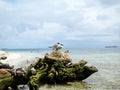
5,66
56,67
53,68
3,55
4,74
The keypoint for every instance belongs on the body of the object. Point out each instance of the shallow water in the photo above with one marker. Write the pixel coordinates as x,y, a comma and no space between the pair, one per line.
106,60
108,64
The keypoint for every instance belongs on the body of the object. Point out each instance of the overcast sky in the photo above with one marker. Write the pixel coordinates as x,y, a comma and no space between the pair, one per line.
75,23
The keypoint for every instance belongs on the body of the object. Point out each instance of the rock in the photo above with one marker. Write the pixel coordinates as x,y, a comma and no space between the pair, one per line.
5,66
57,55
3,55
4,74
66,57
55,68
6,83
3,58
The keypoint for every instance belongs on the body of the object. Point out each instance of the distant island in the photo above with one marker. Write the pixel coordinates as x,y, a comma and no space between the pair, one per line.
111,46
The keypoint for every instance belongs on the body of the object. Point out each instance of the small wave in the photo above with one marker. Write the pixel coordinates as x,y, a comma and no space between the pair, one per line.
14,56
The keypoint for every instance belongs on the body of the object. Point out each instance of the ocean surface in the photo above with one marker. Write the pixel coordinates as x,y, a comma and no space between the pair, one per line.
107,60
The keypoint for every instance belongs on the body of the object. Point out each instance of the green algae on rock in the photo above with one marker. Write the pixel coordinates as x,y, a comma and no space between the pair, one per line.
54,69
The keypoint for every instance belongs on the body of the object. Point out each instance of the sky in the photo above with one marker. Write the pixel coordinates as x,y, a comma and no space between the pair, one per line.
75,23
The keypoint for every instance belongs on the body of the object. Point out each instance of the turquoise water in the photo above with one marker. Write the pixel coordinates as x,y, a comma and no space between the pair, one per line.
107,60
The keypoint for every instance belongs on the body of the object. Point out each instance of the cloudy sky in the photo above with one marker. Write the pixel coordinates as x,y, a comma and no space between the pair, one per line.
75,23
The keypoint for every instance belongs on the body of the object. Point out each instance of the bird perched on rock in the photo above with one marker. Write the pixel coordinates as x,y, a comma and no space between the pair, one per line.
57,46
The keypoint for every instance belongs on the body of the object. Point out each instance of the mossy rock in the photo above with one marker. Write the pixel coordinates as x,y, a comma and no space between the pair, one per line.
54,68
6,82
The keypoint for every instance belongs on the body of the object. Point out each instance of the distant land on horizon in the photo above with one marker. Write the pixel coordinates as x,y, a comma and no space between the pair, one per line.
111,46
102,47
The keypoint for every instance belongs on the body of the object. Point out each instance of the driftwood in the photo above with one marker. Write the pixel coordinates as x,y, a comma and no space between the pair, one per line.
55,67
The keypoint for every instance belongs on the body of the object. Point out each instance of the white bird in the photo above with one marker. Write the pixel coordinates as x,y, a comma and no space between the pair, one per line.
57,46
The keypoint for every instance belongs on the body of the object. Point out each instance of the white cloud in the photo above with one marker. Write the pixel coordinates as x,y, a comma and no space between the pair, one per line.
74,5
49,20
48,32
91,14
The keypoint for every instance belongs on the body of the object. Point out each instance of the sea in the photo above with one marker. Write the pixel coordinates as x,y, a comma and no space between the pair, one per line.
107,61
